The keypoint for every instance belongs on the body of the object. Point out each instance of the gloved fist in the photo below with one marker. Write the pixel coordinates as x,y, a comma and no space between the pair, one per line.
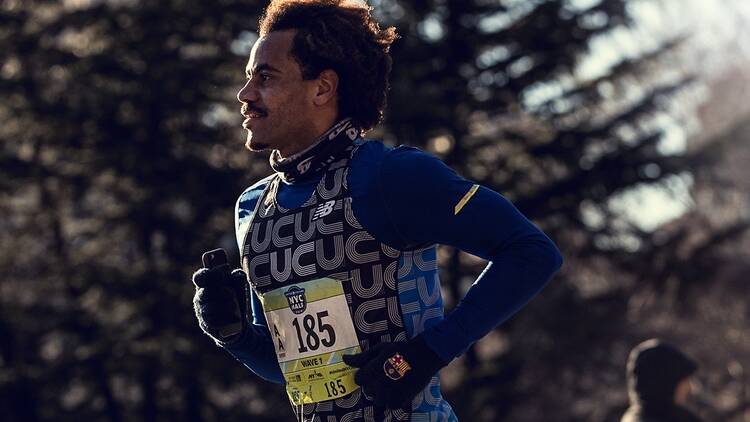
220,302
394,373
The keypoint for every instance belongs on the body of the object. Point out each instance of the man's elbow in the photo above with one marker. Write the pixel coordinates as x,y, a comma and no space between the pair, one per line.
544,256
553,258
541,257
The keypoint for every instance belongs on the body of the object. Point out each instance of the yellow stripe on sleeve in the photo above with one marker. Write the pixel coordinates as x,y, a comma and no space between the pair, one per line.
465,199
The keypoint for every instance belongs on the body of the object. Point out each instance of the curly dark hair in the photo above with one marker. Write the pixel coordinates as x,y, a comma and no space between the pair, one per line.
340,35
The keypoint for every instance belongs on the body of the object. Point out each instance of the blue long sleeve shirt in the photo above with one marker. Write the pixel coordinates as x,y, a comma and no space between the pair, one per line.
407,198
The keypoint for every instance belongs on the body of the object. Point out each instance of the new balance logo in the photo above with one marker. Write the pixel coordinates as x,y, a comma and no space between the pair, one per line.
304,165
323,210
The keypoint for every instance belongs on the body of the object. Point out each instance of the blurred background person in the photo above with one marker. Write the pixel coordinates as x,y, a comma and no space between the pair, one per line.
659,383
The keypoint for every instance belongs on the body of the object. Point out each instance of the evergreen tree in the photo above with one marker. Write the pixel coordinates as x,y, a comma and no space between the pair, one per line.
120,166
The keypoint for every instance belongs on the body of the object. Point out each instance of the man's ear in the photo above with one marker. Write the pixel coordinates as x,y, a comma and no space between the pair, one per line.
327,87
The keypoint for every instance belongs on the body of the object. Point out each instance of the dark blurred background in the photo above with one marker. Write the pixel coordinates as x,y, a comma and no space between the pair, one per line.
619,126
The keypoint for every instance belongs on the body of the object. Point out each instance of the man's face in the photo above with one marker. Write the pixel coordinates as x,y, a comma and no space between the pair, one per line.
276,101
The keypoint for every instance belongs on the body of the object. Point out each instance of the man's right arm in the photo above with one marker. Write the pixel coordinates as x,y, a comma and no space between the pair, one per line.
254,348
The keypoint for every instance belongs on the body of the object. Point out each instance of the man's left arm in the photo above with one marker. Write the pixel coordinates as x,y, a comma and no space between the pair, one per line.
425,203
432,204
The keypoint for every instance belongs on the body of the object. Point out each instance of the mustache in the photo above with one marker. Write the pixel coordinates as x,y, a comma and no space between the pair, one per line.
247,108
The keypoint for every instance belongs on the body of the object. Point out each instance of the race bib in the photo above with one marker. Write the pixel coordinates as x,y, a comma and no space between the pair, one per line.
312,328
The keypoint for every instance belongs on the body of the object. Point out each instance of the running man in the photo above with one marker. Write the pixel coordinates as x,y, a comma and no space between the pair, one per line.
339,299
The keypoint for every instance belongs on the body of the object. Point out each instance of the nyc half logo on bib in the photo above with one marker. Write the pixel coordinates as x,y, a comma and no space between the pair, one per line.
296,298
312,329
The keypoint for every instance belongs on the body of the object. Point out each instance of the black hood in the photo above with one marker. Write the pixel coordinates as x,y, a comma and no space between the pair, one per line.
654,370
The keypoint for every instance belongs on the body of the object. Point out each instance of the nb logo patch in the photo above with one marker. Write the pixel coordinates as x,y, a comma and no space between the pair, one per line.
323,210
304,165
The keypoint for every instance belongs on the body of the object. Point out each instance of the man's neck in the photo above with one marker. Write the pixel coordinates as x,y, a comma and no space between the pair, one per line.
317,156
291,151
303,143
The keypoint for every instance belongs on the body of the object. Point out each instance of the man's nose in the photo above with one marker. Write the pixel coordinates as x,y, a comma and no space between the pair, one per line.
248,93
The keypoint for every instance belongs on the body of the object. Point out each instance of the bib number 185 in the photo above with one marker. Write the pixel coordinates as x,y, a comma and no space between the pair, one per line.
312,325
335,388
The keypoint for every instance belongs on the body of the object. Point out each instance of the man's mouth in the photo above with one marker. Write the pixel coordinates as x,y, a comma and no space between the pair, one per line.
251,115
250,118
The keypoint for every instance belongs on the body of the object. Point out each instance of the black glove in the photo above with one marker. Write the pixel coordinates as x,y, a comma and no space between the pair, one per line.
394,373
220,302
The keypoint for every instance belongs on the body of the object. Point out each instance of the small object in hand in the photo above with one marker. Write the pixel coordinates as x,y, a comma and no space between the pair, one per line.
215,258
212,260
396,367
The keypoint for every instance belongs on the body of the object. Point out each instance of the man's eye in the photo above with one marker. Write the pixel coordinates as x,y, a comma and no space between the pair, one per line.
262,77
